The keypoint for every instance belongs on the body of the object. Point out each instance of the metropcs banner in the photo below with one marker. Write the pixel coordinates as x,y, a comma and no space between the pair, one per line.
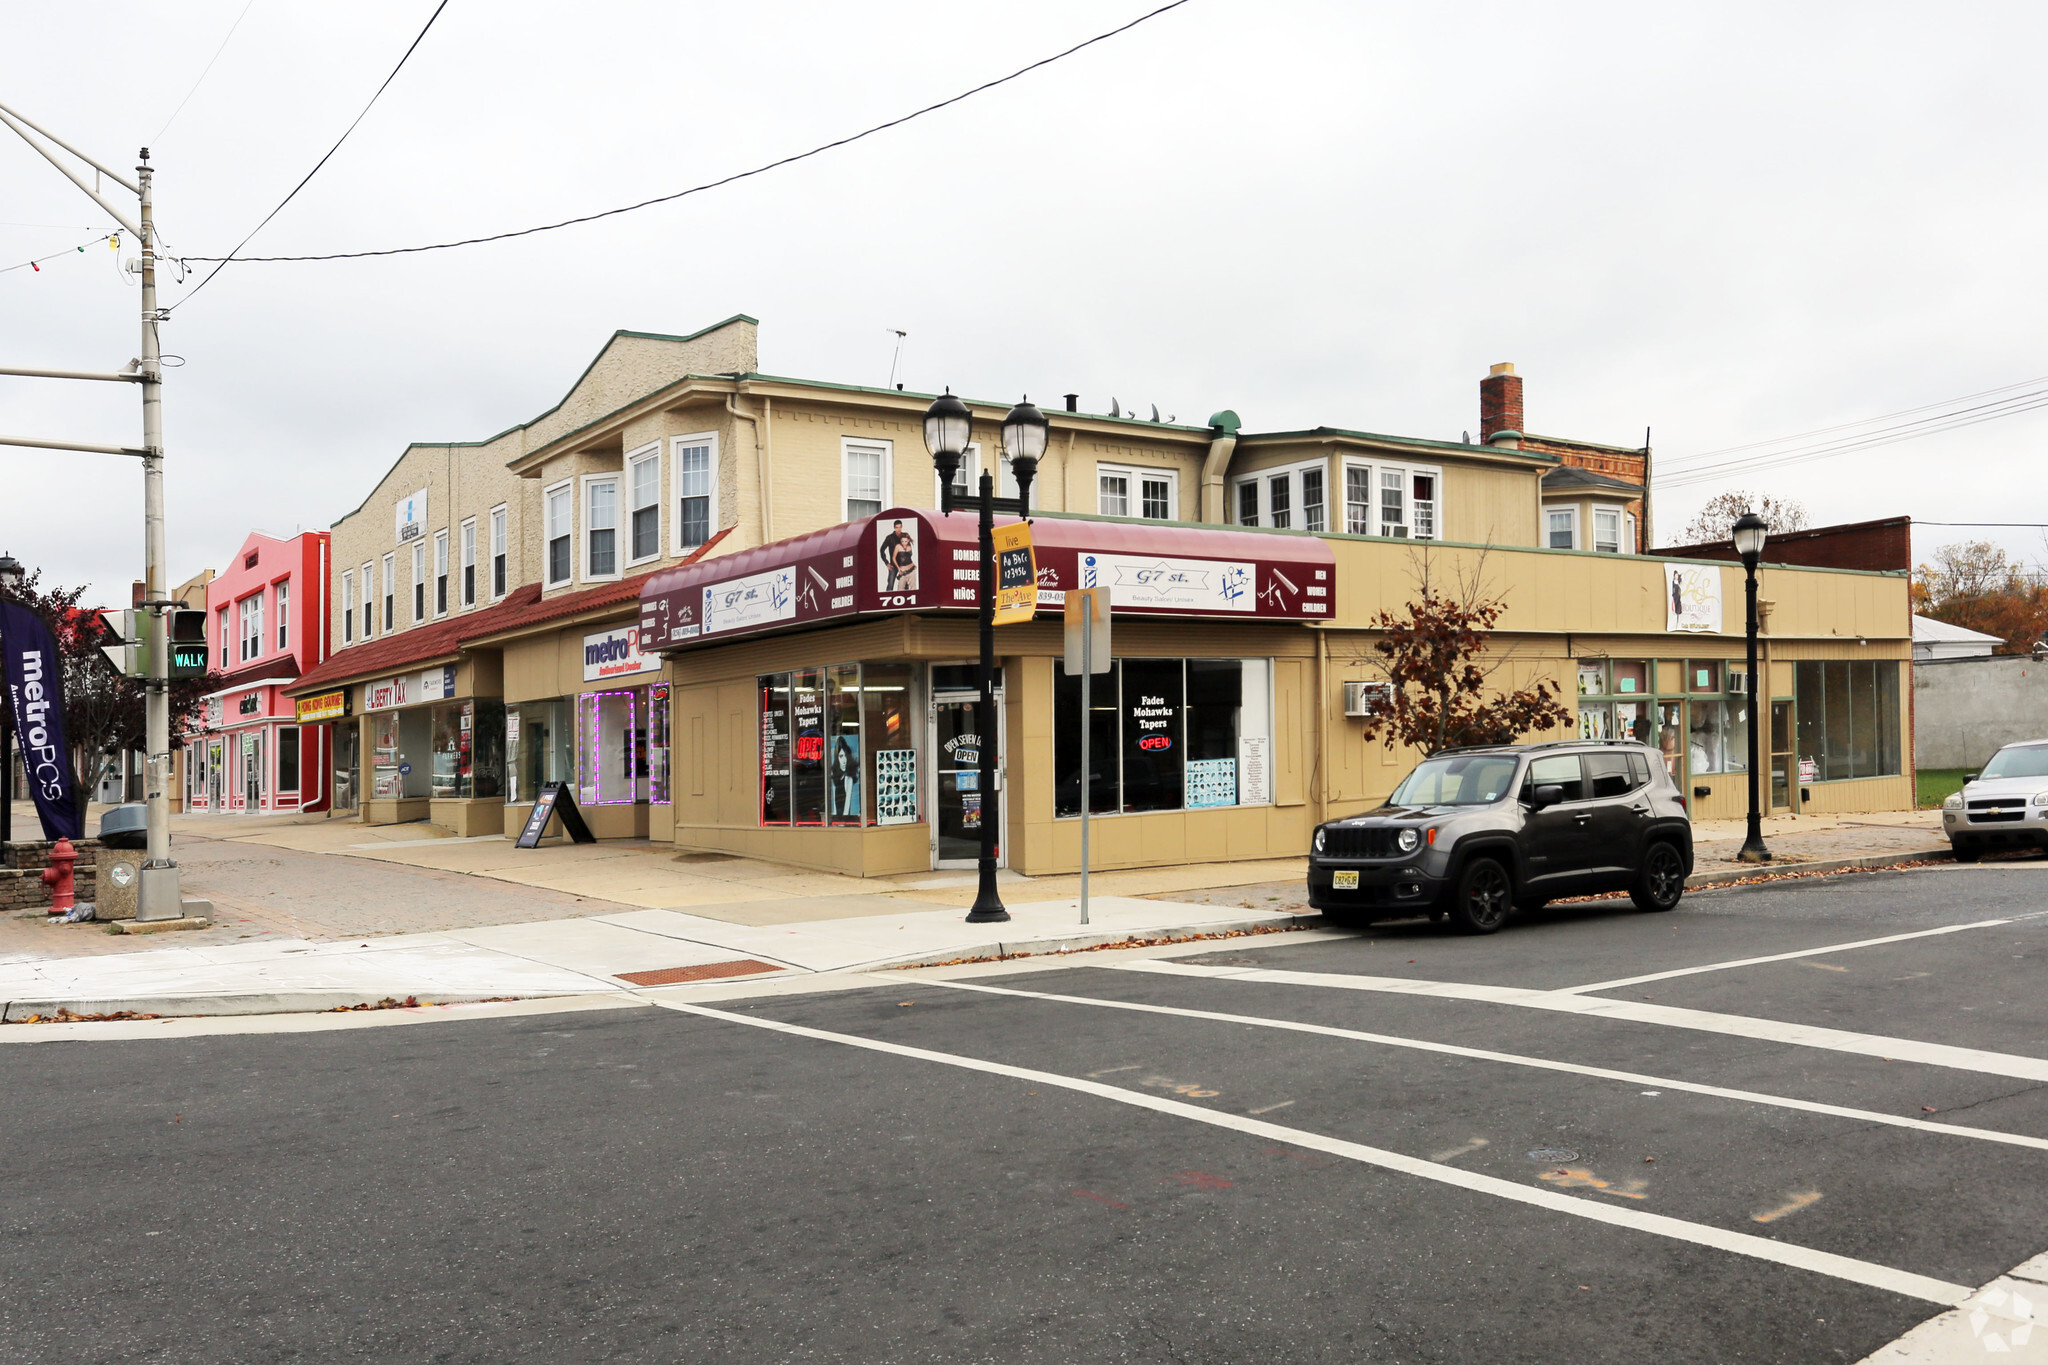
35,689
615,654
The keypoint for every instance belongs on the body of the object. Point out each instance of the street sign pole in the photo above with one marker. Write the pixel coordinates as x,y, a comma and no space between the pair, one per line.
1087,718
1087,639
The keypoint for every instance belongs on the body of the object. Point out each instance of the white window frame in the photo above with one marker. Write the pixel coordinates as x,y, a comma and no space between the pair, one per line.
466,563
584,528
1628,528
221,624
440,599
1375,472
282,591
887,449
348,606
1620,515
1568,510
1135,477
676,446
419,581
1260,481
630,506
970,475
249,635
370,604
548,536
501,545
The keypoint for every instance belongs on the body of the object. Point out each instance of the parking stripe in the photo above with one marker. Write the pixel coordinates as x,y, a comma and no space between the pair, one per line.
1848,1268
1778,957
1638,1012
1515,1059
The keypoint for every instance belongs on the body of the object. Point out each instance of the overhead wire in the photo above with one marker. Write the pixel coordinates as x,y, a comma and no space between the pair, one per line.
36,263
203,74
223,260
708,185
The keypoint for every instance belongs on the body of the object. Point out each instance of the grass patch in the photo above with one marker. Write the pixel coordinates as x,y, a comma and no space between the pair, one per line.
1938,784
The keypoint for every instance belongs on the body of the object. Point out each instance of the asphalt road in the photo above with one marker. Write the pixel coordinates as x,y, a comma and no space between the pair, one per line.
918,1178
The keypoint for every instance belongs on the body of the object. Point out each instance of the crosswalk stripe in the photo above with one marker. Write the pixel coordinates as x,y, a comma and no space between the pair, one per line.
1780,957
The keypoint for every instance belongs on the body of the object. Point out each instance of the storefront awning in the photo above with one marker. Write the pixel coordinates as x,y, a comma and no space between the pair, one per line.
905,560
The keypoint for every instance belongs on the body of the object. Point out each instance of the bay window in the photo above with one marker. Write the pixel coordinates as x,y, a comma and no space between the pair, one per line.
1398,501
1607,530
1561,528
1286,499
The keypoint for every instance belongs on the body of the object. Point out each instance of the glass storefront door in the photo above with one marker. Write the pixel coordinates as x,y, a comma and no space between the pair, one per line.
1782,759
956,765
216,779
252,771
347,747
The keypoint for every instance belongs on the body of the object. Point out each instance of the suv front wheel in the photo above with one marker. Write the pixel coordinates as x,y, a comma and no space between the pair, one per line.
1484,897
1661,880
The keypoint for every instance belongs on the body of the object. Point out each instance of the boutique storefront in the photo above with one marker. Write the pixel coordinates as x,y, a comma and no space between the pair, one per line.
429,745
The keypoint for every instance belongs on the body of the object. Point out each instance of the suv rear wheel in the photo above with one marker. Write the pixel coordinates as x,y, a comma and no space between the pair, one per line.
1661,880
1483,899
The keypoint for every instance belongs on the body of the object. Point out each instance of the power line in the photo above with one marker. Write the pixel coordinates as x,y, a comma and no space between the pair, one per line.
223,260
709,185
202,75
36,263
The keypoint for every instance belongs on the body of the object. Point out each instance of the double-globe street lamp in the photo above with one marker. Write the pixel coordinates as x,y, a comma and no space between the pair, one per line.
1749,534
948,429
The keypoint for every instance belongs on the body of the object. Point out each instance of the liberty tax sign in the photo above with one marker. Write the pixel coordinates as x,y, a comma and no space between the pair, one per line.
615,654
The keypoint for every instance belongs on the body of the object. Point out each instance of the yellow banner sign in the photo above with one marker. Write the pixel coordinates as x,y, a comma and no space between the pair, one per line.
326,706
1016,574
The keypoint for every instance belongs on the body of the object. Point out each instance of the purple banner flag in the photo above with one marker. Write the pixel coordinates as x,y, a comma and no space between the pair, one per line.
35,689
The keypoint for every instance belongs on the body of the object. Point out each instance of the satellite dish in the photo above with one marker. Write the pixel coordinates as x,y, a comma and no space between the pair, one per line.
1468,438
1114,410
1155,412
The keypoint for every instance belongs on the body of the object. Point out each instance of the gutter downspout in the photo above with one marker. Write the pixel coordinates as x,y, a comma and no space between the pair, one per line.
760,464
1224,425
1320,773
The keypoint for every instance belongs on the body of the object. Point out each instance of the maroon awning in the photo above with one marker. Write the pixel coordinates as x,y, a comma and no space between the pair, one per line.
905,560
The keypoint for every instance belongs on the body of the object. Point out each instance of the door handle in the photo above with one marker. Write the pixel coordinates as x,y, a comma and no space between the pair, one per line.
1584,818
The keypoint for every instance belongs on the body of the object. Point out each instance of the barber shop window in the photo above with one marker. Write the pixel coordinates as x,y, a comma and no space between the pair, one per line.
1165,734
1848,712
838,746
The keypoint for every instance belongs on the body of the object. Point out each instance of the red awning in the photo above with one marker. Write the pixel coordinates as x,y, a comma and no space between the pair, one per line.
905,560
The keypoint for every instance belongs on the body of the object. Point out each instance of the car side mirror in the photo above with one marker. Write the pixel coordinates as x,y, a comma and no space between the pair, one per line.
1969,778
1547,795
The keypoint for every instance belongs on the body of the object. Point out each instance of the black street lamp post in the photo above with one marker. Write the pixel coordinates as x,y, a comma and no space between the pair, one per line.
10,579
1749,535
947,427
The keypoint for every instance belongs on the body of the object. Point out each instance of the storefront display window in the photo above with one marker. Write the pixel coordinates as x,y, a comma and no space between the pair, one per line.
288,760
657,745
838,746
1719,738
1703,675
537,741
1165,734
611,764
843,805
775,799
807,746
384,775
1848,716
1669,737
452,750
1630,714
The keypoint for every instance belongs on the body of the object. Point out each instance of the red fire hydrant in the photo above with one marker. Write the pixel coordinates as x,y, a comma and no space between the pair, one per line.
57,876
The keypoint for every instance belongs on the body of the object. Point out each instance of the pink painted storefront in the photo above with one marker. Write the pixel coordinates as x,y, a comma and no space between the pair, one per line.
266,625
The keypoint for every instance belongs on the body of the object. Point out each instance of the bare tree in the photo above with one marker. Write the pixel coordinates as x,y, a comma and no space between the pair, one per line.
1716,521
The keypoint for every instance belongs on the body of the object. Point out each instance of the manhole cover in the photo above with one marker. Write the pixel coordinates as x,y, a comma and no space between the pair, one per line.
1553,1154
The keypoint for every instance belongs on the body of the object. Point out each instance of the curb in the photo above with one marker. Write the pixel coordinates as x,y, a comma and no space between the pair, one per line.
252,1002
1748,870
1079,940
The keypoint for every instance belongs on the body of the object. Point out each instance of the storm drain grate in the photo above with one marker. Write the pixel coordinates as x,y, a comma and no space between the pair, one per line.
707,971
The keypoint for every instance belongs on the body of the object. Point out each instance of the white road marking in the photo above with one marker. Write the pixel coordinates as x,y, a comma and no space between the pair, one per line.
1267,1109
1778,957
1847,1268
2005,1317
1516,1059
1706,1021
1453,1153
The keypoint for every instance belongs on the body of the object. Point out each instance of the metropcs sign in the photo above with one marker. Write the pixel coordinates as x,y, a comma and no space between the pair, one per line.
615,654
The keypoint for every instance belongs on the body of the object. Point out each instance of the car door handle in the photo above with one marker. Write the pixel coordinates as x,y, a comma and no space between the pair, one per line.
1584,817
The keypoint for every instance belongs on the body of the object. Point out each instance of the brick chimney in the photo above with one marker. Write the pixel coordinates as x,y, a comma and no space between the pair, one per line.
1500,402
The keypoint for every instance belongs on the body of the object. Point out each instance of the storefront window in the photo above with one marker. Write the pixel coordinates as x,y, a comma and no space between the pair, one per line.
775,798
1719,738
611,747
838,746
385,781
487,748
888,744
1596,720
807,746
657,745
1703,675
1631,678
1848,716
1669,737
842,744
288,758
1164,734
537,743
451,750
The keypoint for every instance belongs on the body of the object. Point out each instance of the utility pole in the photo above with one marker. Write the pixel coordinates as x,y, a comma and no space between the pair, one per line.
158,895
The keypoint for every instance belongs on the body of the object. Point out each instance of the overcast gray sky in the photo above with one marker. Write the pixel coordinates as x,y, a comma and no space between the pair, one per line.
1727,223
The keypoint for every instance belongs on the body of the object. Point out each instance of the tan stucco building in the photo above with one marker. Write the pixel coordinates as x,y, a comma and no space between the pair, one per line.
500,624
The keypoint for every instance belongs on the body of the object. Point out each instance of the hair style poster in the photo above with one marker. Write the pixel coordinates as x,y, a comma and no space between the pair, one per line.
896,544
842,774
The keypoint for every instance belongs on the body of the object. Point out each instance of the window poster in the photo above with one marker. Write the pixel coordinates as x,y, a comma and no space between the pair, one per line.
842,768
1254,772
895,786
896,545
1212,782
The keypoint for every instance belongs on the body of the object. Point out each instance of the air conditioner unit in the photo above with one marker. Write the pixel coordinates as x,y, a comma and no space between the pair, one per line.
1738,682
1366,698
1397,532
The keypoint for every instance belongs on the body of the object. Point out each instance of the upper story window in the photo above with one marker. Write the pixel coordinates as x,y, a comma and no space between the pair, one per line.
283,589
369,605
498,552
864,476
220,633
419,581
561,521
696,488
387,588
469,562
1294,498
1607,530
1121,491
348,605
601,527
441,572
967,478
1561,528
643,491
251,608
1400,501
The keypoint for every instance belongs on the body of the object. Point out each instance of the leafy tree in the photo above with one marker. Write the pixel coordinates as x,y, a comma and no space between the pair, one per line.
105,713
1973,584
1716,521
1433,653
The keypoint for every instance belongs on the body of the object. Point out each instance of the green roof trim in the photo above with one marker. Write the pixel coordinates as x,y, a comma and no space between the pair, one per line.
1342,433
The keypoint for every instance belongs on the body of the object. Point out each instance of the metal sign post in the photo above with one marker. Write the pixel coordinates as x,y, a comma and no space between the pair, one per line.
1087,641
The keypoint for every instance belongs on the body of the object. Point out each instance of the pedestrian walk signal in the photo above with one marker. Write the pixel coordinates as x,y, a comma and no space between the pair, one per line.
188,642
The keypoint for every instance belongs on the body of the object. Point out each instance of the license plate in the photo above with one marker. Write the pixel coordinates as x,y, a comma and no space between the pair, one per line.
1345,881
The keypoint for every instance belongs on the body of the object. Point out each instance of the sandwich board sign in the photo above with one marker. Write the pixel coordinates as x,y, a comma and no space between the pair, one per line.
555,799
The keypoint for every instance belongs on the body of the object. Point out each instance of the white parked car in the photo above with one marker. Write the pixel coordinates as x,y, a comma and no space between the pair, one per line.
2005,806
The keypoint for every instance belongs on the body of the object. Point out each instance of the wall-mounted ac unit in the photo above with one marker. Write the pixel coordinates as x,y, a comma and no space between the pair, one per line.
1366,698
1397,532
1738,682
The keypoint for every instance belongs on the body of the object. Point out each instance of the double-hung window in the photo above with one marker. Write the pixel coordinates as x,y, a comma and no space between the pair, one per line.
967,478
387,588
865,476
1292,498
252,626
419,581
696,486
1607,530
601,527
1398,501
469,562
498,566
1561,528
1248,503
348,605
284,613
561,524
1152,494
221,634
441,572
643,486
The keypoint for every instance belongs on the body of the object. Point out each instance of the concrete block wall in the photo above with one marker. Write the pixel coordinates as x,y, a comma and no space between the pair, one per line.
1965,710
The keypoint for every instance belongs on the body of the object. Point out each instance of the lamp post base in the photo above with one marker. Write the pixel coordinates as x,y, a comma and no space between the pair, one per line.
988,905
1753,850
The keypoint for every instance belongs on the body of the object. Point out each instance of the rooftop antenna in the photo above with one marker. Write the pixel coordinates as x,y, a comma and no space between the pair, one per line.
900,334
